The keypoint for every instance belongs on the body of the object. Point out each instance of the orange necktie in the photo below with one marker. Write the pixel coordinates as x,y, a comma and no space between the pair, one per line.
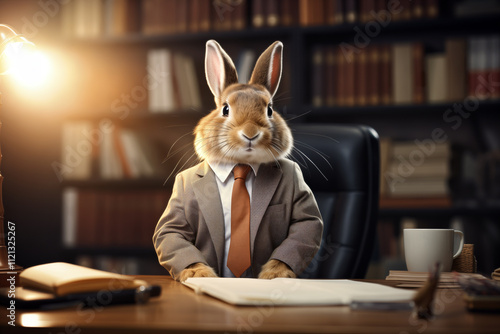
238,259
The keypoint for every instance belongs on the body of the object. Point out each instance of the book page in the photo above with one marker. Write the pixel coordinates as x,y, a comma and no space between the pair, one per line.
287,291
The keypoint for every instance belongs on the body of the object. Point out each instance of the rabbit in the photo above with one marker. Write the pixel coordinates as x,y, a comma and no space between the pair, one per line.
286,225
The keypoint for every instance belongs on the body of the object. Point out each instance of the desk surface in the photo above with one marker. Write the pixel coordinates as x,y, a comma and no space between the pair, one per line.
180,310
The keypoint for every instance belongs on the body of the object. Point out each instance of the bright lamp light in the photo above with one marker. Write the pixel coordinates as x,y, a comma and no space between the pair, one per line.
14,49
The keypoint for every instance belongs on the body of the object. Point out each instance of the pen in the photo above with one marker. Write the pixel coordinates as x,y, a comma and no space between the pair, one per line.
383,306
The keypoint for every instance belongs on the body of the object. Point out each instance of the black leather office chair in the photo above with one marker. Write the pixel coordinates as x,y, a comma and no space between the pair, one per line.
342,169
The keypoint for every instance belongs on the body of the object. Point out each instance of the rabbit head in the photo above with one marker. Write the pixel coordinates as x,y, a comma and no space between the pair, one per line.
244,127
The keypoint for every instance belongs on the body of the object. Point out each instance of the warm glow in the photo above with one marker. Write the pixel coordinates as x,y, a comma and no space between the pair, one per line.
30,320
28,67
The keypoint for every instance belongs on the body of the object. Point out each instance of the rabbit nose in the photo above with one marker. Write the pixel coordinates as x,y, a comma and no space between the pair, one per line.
251,138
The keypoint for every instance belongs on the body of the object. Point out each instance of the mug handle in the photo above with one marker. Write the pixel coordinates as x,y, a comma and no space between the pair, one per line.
458,243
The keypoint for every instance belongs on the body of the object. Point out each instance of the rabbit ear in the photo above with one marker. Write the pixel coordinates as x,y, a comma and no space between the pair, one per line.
267,71
219,68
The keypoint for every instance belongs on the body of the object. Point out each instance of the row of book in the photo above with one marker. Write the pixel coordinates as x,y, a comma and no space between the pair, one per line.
181,16
111,218
97,18
173,83
405,73
425,174
108,152
415,169
333,12
94,18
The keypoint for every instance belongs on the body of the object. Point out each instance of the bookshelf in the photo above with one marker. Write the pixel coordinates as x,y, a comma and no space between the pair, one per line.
121,58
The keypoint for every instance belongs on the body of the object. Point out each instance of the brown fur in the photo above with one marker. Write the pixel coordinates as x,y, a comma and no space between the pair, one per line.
196,270
221,139
248,103
274,269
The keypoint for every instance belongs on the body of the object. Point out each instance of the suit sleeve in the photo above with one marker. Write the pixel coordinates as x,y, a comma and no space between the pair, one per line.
174,237
305,228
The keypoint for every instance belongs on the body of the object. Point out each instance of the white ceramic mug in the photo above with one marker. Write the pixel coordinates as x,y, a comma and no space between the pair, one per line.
424,247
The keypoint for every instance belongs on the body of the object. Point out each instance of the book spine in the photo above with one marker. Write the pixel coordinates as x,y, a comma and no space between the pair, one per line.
318,76
418,73
362,79
239,21
402,74
456,69
341,78
289,12
351,11
385,75
107,218
373,75
331,73
258,13
272,13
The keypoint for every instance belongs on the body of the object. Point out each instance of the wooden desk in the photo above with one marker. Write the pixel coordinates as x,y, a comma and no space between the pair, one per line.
180,310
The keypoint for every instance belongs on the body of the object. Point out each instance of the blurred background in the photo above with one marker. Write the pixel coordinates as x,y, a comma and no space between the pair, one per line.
96,125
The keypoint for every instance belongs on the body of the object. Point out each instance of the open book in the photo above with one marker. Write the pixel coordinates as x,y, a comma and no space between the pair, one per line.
291,291
61,279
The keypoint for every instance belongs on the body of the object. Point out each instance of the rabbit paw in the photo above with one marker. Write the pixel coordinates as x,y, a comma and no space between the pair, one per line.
196,270
275,268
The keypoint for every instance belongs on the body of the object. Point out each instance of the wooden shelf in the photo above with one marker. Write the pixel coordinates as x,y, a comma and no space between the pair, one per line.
403,109
474,208
112,251
442,25
118,184
416,202
437,26
187,37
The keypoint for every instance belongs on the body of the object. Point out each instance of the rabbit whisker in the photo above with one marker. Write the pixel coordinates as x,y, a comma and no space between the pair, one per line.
178,169
172,154
319,135
312,162
315,150
301,115
274,158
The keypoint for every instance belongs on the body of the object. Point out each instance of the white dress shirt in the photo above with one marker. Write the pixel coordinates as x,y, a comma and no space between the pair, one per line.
225,181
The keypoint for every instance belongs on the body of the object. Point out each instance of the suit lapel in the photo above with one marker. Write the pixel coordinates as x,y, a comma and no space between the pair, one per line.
207,195
266,182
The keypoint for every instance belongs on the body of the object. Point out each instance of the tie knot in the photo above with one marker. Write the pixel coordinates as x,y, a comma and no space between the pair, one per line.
241,171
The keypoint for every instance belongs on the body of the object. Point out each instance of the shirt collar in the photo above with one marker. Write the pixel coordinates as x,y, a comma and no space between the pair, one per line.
223,170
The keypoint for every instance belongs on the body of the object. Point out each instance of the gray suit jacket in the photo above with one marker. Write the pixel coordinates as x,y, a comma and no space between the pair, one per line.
285,221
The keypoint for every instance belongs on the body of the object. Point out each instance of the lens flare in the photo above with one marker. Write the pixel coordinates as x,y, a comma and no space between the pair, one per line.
30,69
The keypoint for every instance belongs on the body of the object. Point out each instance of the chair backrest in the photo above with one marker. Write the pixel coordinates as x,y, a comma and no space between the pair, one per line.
340,164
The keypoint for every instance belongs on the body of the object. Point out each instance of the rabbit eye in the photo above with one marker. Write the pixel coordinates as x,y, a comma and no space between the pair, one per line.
269,110
225,110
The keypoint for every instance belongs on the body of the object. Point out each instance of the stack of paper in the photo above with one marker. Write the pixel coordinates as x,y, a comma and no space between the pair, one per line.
288,291
411,279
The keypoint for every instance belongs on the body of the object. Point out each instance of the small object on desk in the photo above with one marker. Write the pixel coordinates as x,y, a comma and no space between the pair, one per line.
383,306
62,278
409,279
496,274
481,294
60,284
425,295
466,262
33,299
295,291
